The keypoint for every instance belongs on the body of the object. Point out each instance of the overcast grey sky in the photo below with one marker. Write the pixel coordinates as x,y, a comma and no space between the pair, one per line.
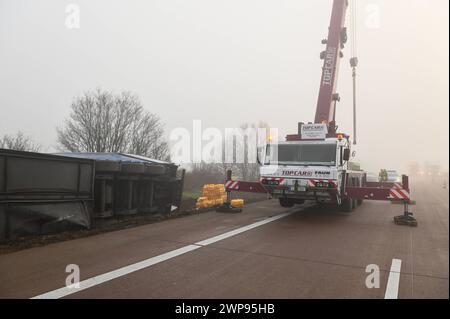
226,62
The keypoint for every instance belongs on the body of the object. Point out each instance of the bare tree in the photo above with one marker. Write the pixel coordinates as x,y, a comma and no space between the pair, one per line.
147,137
248,170
203,173
19,142
103,122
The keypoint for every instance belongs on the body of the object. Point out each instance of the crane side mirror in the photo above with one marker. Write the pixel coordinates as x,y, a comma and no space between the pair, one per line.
259,152
346,156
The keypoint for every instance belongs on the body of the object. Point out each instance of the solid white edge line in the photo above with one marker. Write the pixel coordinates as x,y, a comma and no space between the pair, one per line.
97,280
239,230
393,280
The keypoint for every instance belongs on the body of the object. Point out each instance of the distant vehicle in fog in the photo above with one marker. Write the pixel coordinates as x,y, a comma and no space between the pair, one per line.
393,176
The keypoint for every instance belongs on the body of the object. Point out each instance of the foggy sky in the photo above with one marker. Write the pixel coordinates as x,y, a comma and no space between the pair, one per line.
226,62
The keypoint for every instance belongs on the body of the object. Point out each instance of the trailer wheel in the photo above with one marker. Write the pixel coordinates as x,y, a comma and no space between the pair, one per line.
287,202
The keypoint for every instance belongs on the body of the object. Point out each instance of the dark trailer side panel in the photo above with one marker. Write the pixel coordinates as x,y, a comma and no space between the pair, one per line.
43,193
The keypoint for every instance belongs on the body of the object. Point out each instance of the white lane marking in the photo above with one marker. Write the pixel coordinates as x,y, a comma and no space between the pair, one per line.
239,230
97,280
393,280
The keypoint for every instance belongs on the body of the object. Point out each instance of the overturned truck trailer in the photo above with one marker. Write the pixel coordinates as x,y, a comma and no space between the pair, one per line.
42,193
129,184
49,193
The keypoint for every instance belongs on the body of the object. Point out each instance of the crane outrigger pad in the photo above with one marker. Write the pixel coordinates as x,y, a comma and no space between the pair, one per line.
406,220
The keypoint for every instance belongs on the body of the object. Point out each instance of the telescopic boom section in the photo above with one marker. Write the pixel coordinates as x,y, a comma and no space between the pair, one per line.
337,37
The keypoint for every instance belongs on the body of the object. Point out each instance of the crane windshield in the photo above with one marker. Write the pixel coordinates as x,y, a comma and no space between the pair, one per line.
301,154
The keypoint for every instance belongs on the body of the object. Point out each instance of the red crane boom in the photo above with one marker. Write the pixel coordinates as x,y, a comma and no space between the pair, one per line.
337,37
295,181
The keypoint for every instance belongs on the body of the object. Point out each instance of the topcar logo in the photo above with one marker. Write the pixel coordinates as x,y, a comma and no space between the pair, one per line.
297,173
329,65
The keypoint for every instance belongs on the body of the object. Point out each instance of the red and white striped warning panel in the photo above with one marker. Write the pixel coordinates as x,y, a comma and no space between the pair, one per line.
232,185
399,193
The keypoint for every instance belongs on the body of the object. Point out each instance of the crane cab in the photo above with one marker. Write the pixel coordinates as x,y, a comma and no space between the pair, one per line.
310,166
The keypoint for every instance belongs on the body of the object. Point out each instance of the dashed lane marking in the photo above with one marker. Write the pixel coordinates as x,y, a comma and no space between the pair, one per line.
393,280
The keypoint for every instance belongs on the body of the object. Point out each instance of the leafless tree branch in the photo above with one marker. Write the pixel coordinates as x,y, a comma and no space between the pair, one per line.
103,122
19,142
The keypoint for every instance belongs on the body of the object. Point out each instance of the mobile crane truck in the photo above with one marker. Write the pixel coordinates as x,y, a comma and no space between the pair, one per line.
318,162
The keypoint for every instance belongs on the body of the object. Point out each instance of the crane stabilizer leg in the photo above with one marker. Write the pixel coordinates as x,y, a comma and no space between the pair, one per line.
226,207
407,218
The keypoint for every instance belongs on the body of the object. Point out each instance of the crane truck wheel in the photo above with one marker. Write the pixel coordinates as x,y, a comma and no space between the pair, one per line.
287,202
347,205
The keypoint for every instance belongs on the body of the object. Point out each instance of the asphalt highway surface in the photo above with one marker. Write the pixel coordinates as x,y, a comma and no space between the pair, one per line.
264,252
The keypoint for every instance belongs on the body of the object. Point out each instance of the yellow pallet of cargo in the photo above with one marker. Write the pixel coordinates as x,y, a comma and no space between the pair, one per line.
237,203
212,195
